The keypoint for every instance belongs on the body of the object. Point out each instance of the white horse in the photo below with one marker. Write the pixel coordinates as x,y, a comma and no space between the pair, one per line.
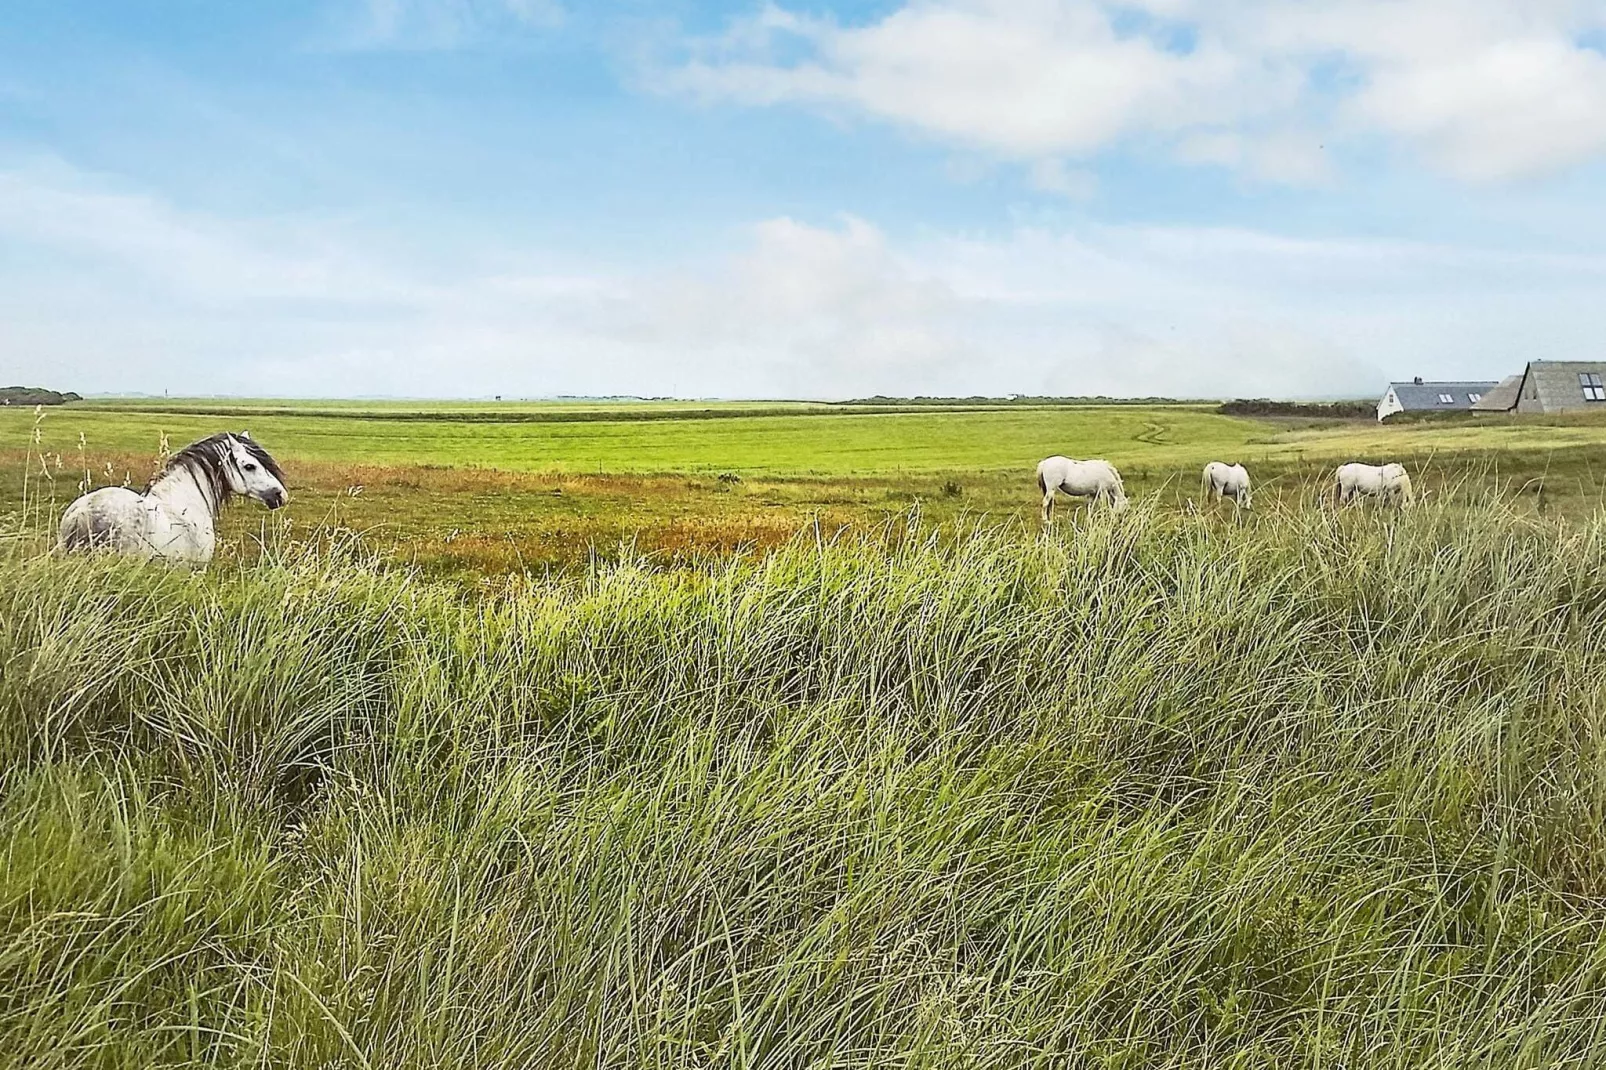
1227,481
175,519
1094,480
1388,481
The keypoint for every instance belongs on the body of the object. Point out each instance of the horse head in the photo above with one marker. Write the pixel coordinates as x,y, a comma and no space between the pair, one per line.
251,471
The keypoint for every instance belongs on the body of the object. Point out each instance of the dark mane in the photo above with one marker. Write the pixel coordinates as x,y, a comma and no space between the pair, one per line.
207,459
262,457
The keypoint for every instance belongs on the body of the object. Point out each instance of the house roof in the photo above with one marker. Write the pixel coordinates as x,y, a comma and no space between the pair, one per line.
1556,384
1425,396
1503,397
1569,365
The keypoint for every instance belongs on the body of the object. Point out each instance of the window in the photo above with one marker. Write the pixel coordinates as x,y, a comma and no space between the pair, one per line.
1594,389
1474,398
1446,399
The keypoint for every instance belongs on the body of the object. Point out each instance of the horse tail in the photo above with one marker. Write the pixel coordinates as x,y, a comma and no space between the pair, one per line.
73,537
1042,484
78,533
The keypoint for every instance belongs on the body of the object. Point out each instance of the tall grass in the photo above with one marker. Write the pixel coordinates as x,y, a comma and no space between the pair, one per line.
1159,791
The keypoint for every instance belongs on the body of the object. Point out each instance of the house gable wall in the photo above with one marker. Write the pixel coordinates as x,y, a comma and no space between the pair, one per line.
1556,384
1528,394
1388,405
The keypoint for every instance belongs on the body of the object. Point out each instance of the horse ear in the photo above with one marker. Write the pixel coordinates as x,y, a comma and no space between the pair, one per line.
245,435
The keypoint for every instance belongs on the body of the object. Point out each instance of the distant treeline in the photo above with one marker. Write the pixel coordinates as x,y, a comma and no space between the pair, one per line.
980,401
35,395
1342,410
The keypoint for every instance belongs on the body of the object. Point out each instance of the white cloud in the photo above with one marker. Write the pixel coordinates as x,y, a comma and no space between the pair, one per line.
1289,157
121,291
200,259
803,310
1482,89
1025,77
1501,111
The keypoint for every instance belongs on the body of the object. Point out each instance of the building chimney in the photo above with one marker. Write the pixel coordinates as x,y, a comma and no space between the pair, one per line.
1417,380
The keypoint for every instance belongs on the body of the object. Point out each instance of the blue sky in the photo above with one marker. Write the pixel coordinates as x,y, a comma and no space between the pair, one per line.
536,197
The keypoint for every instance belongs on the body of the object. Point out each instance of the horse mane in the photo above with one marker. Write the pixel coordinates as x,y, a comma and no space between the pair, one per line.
261,456
206,459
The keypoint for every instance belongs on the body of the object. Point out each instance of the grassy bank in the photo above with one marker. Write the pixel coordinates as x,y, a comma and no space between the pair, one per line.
1317,791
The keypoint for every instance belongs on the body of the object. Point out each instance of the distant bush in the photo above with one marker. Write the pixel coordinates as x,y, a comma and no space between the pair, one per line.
35,395
952,489
729,478
1340,410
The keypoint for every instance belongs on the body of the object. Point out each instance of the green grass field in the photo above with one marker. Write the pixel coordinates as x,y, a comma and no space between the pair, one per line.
771,439
769,739
492,488
827,443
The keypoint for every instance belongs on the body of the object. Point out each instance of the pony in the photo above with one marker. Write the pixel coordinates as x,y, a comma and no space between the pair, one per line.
1227,481
1094,480
1389,481
175,518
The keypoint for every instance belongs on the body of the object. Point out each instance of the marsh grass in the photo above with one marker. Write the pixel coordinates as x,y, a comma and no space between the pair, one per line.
1314,790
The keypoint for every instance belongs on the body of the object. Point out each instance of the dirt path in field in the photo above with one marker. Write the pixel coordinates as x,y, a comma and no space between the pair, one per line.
1153,434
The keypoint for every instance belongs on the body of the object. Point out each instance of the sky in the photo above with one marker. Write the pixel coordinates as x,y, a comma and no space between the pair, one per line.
821,199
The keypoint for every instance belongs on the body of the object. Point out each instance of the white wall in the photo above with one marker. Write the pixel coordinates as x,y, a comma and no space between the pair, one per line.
1388,405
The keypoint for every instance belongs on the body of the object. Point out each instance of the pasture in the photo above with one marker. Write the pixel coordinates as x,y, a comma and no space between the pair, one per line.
488,489
550,747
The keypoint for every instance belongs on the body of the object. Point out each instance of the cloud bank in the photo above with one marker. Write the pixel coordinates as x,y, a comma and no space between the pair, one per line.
112,290
1482,90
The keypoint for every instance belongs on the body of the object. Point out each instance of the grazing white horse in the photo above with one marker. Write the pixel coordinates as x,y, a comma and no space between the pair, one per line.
1228,481
1388,481
175,519
1094,480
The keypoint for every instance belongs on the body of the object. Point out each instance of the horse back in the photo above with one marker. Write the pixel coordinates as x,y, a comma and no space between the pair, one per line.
108,518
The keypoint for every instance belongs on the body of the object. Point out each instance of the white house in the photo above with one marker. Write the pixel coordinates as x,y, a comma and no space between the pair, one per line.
1420,396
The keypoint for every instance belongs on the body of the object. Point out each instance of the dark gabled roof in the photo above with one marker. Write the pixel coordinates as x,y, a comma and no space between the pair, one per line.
1557,384
1570,365
1503,397
1418,397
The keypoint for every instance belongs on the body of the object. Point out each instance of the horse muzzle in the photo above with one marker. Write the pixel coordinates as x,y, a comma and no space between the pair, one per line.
275,499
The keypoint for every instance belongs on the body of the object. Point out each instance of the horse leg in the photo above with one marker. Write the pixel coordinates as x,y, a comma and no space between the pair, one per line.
1048,505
